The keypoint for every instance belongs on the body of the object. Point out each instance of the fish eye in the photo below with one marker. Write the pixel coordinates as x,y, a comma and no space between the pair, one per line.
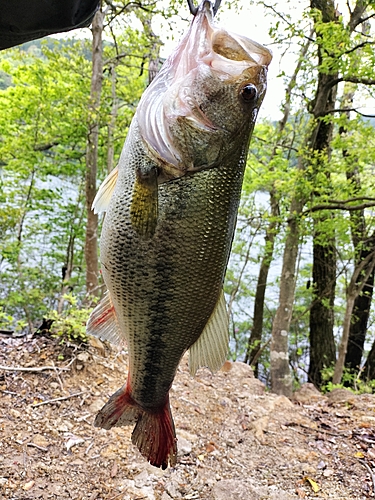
249,92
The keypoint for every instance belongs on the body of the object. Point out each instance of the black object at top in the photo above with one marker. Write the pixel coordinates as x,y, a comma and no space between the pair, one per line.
193,9
25,20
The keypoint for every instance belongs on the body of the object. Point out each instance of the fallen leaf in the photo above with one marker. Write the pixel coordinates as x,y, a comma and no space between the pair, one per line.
359,454
40,440
210,447
314,485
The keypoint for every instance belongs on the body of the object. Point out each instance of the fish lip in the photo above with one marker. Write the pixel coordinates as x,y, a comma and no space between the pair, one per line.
165,100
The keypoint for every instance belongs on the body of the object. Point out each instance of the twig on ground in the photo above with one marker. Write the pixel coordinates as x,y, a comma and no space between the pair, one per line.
31,369
58,377
41,448
9,392
89,447
118,495
58,399
320,429
70,363
370,472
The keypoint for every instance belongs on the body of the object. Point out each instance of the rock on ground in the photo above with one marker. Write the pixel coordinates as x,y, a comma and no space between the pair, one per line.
236,441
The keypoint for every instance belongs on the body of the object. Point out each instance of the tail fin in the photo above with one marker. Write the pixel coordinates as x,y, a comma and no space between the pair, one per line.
154,433
155,437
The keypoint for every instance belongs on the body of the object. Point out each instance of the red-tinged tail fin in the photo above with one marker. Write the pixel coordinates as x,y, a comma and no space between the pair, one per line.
154,433
155,437
119,410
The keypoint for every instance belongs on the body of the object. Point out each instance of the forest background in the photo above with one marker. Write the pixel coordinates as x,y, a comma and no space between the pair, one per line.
299,285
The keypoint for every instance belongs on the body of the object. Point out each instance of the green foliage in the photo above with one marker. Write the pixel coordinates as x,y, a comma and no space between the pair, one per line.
350,380
44,97
43,131
281,162
8,322
70,325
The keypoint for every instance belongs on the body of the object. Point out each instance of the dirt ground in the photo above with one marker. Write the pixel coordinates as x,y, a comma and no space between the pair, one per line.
236,441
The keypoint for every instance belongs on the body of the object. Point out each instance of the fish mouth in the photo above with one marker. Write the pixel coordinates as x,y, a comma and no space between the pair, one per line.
205,49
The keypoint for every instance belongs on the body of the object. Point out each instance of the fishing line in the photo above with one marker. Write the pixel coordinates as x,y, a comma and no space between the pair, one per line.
193,9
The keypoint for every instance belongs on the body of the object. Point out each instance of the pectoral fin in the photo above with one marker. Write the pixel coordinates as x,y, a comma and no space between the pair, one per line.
211,349
104,194
103,323
144,205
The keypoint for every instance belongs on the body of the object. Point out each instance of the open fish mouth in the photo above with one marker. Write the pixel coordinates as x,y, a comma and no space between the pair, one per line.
206,50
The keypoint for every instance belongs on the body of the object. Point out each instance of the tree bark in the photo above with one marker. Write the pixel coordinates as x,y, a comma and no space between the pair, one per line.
255,339
112,122
355,287
360,314
254,343
362,247
369,368
91,240
322,343
281,380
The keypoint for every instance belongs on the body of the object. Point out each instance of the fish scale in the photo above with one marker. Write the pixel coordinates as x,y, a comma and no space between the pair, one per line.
171,208
186,258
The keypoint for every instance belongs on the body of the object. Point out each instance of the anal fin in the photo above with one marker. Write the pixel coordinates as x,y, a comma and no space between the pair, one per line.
211,348
103,323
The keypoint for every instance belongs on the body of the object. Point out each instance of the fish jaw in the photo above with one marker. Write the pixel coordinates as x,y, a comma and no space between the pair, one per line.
195,104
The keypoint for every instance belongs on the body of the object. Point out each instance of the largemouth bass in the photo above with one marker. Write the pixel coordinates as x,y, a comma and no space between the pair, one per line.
171,206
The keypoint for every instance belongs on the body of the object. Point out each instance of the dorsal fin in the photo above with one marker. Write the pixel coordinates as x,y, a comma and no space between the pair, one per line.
104,194
211,348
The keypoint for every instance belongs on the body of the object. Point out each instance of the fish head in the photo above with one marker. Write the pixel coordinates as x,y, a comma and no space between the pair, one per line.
202,106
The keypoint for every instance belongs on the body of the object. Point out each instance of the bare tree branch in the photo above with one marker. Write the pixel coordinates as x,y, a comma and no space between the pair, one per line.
351,79
355,198
338,206
283,18
346,110
356,14
359,46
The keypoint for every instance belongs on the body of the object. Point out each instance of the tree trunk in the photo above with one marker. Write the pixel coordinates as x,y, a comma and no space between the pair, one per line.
254,343
362,248
112,122
154,44
357,282
360,316
91,241
322,343
67,271
281,380
369,368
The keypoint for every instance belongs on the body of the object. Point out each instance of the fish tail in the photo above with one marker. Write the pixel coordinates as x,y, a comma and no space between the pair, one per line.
154,433
119,410
155,437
